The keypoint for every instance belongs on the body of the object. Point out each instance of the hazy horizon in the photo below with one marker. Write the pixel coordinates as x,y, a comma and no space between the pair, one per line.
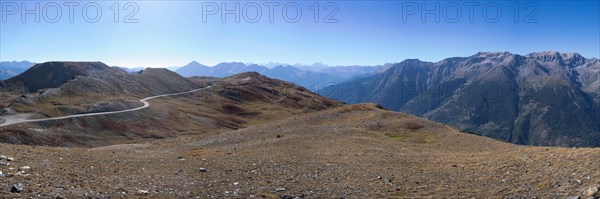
272,64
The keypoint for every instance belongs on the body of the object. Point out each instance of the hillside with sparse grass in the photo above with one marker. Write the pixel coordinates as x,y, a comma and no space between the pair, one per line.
350,151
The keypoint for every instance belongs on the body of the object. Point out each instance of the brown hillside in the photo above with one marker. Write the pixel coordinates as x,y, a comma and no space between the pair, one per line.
231,103
350,151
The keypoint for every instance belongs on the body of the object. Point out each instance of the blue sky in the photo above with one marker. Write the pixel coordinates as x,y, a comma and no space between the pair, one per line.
173,33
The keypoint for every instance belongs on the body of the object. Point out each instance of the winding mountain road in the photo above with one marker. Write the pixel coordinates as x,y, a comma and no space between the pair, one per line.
16,120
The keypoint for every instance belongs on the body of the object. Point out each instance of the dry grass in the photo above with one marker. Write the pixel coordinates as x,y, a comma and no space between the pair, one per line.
397,136
318,155
194,152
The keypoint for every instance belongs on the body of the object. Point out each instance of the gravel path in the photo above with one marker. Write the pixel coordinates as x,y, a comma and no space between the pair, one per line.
18,120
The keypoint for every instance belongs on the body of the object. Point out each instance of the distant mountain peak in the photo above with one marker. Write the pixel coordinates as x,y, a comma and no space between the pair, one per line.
283,66
571,58
72,67
194,64
232,63
554,53
250,77
542,98
411,61
55,73
154,70
246,74
492,54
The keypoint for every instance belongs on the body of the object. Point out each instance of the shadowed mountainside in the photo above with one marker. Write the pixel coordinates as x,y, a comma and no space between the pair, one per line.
546,98
55,74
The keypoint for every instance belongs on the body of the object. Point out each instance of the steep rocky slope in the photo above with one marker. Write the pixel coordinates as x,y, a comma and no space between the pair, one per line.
546,98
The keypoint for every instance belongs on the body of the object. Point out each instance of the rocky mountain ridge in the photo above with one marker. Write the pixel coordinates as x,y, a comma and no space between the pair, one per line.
545,98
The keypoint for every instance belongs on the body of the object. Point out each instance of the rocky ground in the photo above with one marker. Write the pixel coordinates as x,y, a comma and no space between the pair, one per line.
353,151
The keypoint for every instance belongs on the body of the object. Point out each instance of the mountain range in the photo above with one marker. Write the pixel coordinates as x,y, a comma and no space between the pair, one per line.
58,89
96,77
314,79
13,68
545,98
249,135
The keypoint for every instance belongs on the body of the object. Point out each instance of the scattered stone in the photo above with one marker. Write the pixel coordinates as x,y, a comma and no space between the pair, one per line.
287,197
19,173
574,197
17,188
24,168
10,159
2,157
236,183
592,192
280,189
7,111
24,100
143,192
202,170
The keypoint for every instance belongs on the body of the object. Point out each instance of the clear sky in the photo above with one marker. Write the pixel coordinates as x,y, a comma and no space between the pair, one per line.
173,33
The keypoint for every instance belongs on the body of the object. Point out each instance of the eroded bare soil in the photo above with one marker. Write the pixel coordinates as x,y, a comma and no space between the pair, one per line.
353,151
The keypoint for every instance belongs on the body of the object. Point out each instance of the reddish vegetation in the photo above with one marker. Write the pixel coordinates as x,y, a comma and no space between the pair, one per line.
232,109
413,126
362,107
112,125
359,107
